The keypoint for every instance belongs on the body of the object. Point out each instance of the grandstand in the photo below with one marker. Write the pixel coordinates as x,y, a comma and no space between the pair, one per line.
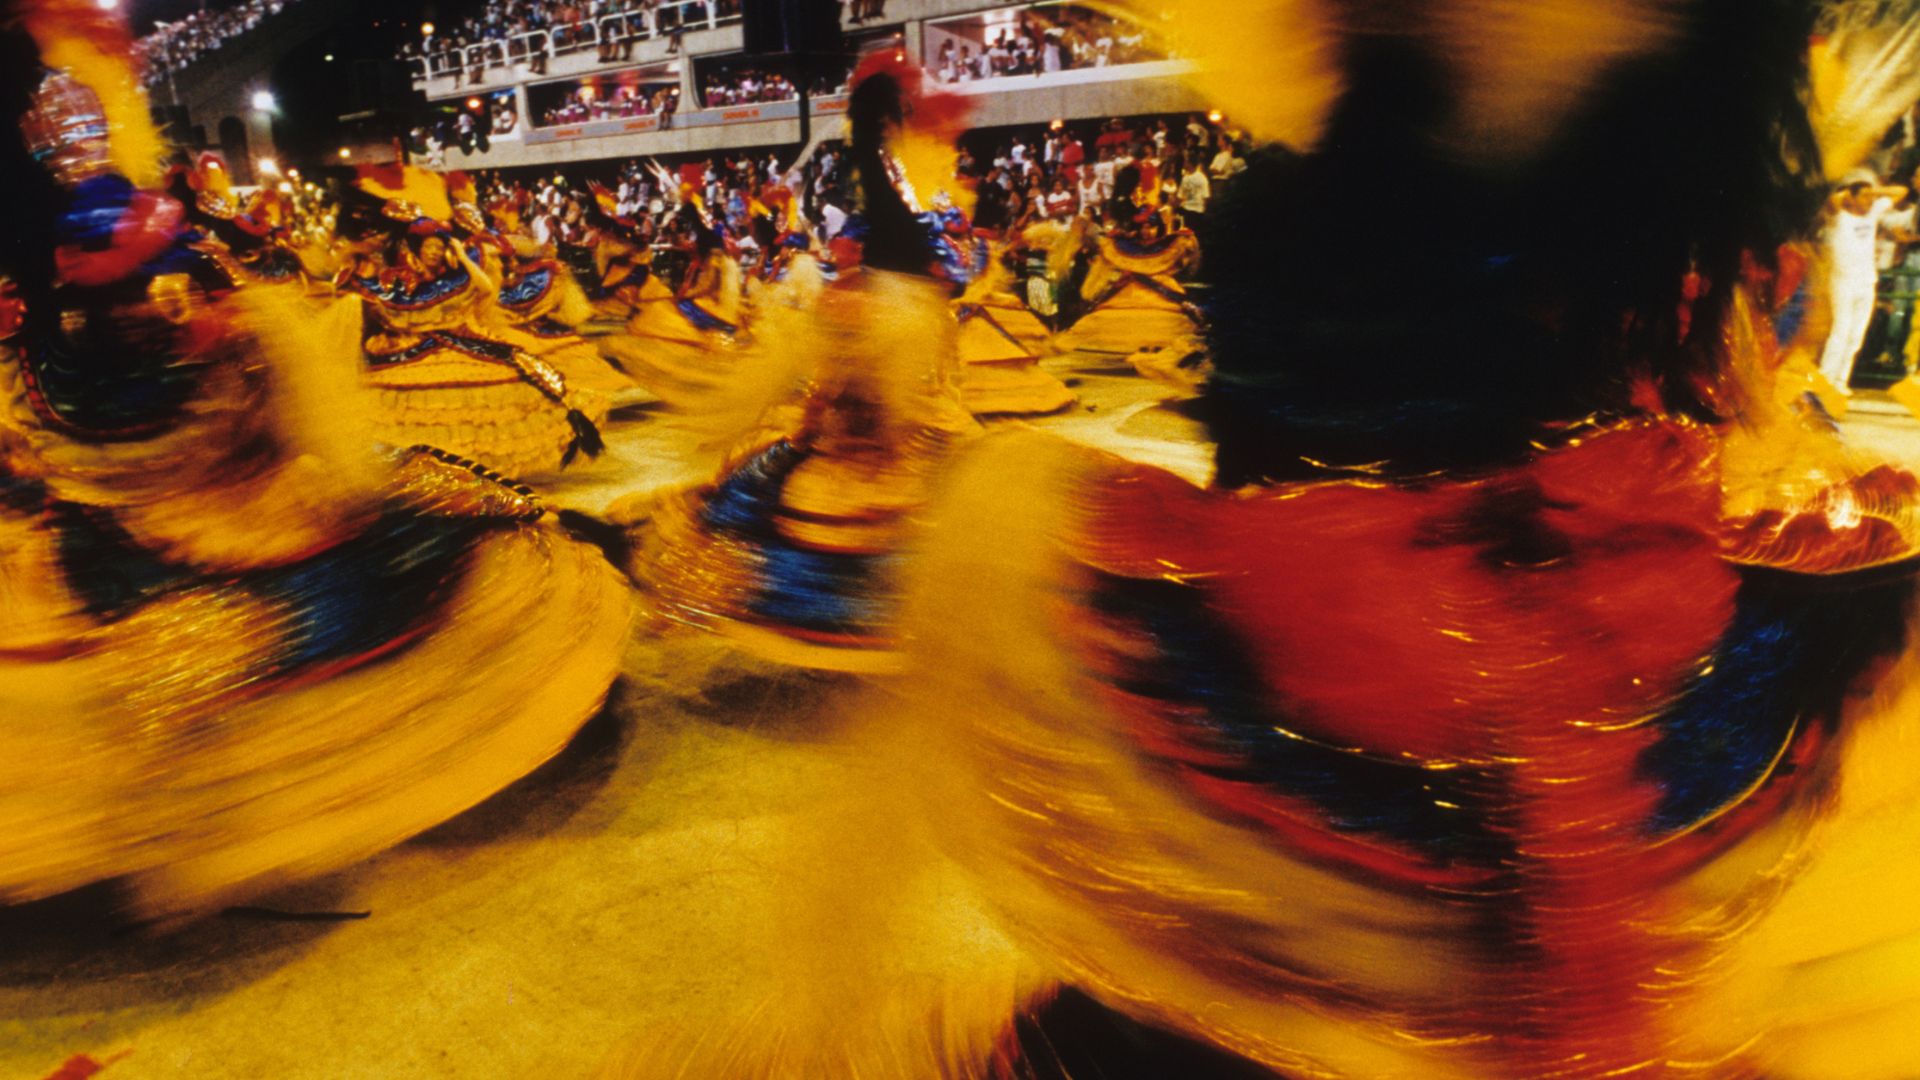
513,83
574,85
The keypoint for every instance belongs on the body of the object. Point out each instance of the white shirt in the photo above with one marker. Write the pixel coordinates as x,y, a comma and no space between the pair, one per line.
1194,190
1850,241
833,219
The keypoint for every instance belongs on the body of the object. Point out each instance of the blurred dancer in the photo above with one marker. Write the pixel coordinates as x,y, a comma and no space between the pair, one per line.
1527,695
680,339
449,367
237,647
795,549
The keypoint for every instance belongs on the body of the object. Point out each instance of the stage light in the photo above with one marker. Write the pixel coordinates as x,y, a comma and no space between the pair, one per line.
329,58
264,101
473,103
1214,117
294,173
109,5
269,167
426,29
1057,125
345,153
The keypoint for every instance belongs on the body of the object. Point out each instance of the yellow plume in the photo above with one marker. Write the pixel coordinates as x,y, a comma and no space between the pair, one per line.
401,182
930,163
73,37
1271,64
1862,76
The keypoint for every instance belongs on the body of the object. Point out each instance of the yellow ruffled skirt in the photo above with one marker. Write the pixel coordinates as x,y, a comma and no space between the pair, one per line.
479,409
1133,318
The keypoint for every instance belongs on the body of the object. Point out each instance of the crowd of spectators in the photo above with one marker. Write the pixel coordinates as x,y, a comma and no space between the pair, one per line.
531,31
1044,40
1040,40
561,208
1116,170
171,47
623,103
722,87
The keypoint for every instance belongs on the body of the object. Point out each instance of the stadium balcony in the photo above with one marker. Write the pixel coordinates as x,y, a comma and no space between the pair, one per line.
657,98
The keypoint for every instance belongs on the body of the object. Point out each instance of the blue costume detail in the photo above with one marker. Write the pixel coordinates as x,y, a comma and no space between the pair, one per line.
1782,667
427,294
531,287
701,319
347,601
959,264
826,592
1205,679
357,597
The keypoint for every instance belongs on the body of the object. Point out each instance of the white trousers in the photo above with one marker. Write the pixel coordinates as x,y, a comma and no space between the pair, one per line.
1852,300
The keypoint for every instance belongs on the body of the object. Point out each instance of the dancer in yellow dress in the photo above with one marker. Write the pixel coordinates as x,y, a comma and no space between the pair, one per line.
622,257
1132,296
1525,697
538,306
796,548
238,649
999,368
992,294
447,369
679,341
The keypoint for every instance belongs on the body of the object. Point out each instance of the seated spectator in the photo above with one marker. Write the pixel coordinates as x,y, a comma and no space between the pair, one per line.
1090,191
1228,163
1060,203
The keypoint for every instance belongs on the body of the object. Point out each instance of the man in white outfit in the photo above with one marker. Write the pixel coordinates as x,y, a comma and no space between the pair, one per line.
1856,210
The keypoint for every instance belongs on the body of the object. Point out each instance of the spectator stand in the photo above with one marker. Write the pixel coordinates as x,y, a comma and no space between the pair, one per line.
1101,66
1034,40
172,47
641,92
477,52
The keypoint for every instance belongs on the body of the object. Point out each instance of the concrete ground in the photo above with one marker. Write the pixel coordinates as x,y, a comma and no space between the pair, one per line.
623,885
1878,425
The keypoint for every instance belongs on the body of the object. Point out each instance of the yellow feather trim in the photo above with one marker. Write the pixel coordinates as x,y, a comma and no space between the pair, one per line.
139,151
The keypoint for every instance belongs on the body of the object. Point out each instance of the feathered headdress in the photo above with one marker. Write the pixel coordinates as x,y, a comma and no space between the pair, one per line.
1865,72
898,129
920,132
410,192
91,45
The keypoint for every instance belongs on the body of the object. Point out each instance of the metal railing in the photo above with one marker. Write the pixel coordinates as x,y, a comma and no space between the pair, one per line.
535,47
